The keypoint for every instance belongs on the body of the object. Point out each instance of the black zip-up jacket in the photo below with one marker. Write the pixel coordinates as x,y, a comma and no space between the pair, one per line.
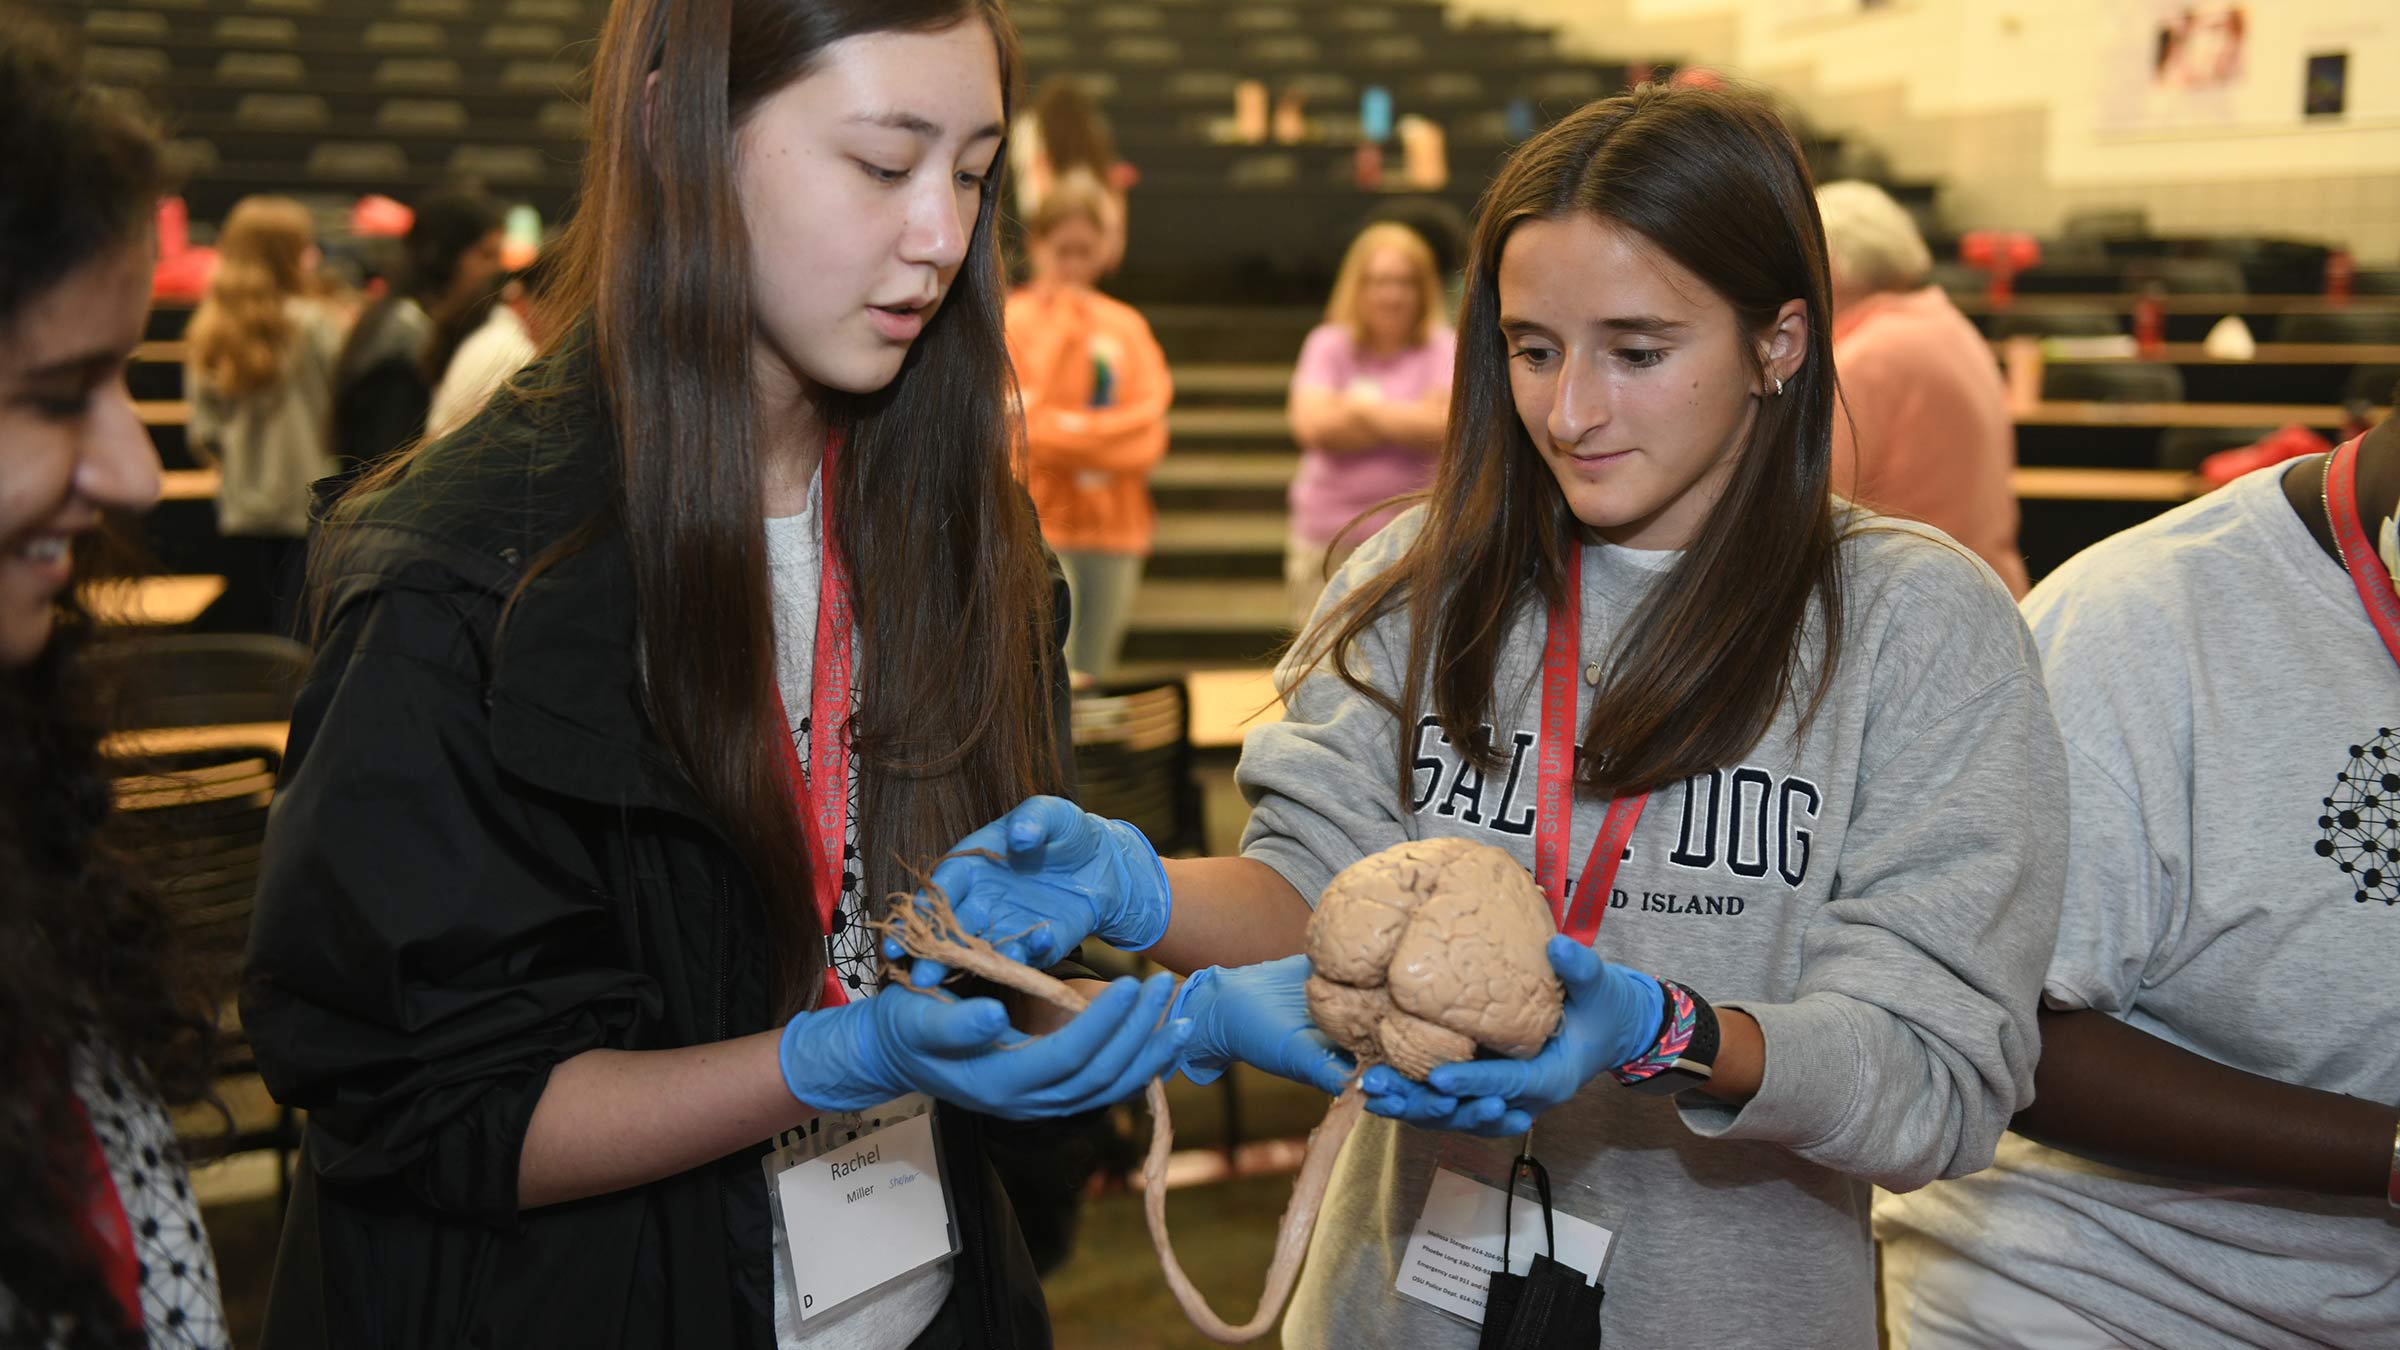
481,863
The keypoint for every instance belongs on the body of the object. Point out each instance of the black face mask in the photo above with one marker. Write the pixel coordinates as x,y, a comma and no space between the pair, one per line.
1552,1306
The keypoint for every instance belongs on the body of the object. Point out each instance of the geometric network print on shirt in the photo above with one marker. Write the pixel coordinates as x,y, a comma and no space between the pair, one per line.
179,1275
849,942
2361,820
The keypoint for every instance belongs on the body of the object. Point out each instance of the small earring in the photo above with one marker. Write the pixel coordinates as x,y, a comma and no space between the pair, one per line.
1778,379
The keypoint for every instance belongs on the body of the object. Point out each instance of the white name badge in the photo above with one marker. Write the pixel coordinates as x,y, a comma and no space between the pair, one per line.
1456,1245
858,1200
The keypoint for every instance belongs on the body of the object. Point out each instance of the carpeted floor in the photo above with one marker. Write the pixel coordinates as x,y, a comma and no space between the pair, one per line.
1110,1293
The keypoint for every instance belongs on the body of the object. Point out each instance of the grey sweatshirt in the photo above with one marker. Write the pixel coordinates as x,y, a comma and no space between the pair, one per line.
1881,894
271,444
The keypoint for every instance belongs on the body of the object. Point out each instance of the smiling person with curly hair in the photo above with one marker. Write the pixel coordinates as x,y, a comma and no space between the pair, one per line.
100,1240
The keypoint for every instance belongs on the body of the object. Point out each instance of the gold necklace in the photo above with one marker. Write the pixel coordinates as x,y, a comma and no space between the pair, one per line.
2325,496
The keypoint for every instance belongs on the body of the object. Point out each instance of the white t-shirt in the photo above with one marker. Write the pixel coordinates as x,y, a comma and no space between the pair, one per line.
480,366
2228,714
899,1312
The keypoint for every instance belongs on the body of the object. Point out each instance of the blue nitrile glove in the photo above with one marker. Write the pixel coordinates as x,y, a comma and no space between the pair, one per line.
964,1051
1067,875
1612,1015
1391,1094
1258,1015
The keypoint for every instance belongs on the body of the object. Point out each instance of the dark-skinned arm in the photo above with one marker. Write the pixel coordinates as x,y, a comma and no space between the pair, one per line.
2118,1095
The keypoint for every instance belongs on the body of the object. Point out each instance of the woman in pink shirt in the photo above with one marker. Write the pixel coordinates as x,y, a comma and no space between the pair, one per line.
1370,397
1923,429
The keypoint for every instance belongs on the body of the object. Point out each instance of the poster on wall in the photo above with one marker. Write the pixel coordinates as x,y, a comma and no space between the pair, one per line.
2177,64
2210,66
2198,47
2326,91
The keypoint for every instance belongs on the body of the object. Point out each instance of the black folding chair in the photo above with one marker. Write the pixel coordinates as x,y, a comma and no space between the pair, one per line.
203,719
2184,447
2354,326
2112,382
2058,323
1133,760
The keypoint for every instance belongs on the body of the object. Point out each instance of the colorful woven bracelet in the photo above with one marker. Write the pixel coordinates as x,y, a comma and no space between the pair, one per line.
2391,1190
1674,1037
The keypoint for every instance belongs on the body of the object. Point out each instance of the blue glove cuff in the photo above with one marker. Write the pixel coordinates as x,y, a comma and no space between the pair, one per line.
1640,1037
1199,1062
833,1061
1141,876
788,1053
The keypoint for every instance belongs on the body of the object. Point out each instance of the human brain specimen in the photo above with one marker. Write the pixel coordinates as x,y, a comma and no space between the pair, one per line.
1429,949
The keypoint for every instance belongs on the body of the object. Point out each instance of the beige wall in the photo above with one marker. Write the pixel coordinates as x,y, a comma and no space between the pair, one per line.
2027,110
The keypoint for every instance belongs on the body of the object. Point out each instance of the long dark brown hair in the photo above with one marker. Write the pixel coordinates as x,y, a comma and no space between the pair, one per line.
85,950
1716,181
949,587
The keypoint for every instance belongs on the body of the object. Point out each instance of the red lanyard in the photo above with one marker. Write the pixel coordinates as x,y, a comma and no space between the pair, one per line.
1562,654
821,788
107,1235
2359,554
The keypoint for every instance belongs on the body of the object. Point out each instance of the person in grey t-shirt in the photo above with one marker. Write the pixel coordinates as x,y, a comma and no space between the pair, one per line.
1854,785
2209,1160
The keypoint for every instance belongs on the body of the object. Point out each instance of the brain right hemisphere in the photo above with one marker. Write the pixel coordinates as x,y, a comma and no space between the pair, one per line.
1429,949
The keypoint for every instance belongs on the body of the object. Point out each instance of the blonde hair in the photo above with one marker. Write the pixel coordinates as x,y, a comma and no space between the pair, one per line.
1870,239
1343,307
1076,195
242,332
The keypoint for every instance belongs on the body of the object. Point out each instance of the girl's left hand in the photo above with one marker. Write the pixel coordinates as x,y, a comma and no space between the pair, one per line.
1259,1016
1612,1016
1043,878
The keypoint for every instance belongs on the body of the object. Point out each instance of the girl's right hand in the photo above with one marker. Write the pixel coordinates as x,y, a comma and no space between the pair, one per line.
963,1051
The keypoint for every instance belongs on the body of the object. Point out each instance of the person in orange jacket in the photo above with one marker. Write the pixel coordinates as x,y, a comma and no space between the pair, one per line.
1095,390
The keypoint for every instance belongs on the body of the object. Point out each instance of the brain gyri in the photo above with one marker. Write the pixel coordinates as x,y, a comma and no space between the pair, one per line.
1430,949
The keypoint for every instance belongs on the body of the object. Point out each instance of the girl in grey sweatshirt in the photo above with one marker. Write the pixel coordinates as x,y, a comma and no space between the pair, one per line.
1785,770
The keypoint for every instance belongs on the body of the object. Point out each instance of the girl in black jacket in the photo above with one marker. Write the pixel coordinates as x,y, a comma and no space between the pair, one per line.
564,906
